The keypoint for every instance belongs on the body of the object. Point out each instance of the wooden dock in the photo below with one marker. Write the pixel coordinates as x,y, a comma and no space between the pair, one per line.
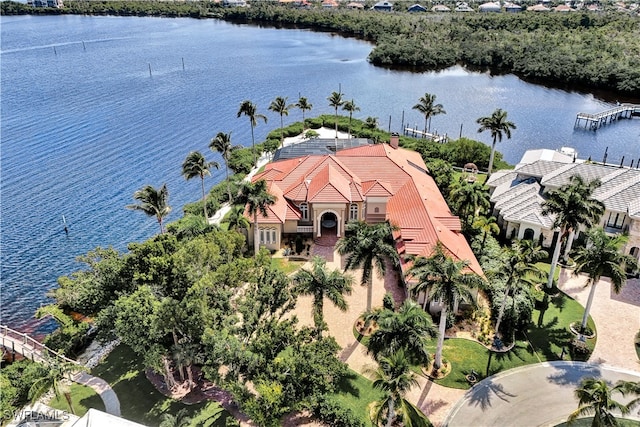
421,134
594,121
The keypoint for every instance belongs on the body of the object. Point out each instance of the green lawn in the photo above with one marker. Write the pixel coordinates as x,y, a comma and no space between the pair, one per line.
139,400
357,392
82,398
286,265
547,335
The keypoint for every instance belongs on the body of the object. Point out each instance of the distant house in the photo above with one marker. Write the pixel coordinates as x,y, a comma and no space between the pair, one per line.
46,3
463,7
562,8
329,4
538,8
383,6
234,3
490,7
355,5
517,196
440,8
416,8
512,8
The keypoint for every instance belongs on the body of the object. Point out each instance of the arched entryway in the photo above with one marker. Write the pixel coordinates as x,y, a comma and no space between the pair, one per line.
529,234
328,223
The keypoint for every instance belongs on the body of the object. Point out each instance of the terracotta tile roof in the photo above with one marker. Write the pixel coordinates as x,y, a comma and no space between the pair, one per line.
415,204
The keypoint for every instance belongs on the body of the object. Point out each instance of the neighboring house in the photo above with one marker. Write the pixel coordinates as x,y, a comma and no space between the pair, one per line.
234,3
355,5
416,8
329,4
317,195
489,7
512,8
440,8
383,6
463,7
538,8
562,8
46,3
517,196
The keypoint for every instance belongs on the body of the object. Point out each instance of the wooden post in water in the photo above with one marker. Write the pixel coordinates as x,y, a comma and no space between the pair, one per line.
389,123
460,131
149,69
402,119
83,46
183,63
55,51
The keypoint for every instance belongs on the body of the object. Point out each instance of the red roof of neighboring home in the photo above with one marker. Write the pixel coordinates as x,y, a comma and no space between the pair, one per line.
414,203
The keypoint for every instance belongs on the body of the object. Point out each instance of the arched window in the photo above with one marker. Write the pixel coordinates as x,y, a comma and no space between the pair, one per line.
528,234
304,210
353,212
376,210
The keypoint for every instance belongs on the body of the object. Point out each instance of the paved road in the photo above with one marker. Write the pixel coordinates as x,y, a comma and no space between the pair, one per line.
535,395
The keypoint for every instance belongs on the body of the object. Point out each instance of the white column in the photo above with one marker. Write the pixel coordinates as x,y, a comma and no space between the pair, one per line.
318,226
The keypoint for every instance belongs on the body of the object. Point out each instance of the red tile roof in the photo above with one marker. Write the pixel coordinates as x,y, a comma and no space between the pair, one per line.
415,204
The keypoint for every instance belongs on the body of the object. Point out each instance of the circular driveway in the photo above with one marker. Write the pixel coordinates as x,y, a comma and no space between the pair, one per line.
534,395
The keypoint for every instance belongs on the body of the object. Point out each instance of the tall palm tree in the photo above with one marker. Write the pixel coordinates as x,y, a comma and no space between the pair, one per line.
395,378
595,397
518,270
408,329
335,101
601,256
427,106
469,199
195,165
250,110
351,107
256,197
304,104
222,144
321,283
280,106
497,124
153,202
444,280
368,247
236,218
572,205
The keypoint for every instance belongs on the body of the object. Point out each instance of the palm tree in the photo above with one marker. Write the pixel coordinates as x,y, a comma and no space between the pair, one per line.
371,122
55,376
321,283
572,205
469,199
595,397
351,107
304,105
152,202
257,198
519,270
236,218
444,280
335,101
487,225
408,329
601,256
427,106
395,378
222,144
195,165
497,124
180,419
280,106
250,110
368,247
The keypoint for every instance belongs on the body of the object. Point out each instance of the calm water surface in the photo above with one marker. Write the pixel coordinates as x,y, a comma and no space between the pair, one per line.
84,126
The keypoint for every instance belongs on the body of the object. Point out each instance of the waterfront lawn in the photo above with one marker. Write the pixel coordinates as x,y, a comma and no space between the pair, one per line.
544,341
139,400
356,392
82,398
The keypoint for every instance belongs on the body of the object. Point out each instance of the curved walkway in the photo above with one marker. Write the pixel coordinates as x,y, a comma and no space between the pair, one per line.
534,395
104,390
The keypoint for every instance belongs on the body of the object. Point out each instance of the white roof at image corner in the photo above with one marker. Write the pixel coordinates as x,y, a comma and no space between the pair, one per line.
532,156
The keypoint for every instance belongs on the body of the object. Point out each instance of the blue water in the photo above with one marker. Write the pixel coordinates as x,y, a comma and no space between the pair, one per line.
83,127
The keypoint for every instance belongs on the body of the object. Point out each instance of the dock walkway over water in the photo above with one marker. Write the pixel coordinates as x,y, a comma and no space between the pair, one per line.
18,342
432,136
594,121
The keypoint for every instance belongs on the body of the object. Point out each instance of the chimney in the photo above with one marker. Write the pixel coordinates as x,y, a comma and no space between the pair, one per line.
394,140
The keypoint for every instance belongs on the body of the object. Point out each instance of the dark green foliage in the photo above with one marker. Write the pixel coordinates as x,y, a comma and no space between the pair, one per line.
241,160
334,414
16,380
579,350
387,301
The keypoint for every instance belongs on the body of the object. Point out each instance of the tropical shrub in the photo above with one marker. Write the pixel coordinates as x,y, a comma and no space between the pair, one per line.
332,413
